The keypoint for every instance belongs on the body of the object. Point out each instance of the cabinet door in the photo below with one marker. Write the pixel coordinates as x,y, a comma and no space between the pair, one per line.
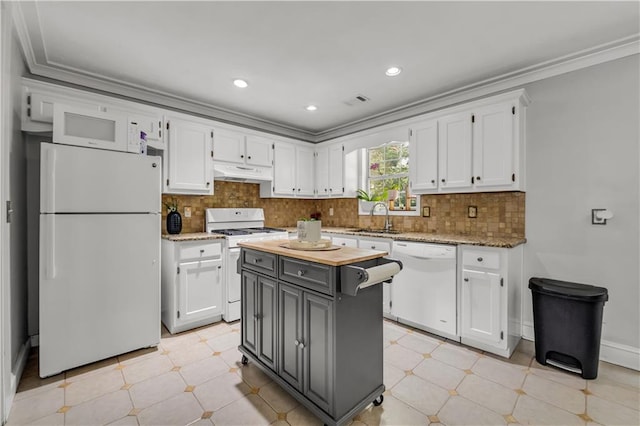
249,314
423,156
336,171
304,171
493,146
258,151
454,151
322,172
284,171
190,146
267,309
290,335
200,290
228,146
318,350
481,307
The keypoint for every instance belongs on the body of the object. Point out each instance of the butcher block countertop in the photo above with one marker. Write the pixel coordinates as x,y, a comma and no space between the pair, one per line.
341,256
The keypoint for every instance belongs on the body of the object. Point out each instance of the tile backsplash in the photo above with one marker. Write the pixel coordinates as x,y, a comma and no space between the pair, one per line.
499,214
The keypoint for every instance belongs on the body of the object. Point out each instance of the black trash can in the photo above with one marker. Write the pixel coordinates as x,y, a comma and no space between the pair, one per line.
567,322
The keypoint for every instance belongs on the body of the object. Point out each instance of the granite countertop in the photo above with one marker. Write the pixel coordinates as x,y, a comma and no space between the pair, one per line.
424,237
337,257
192,236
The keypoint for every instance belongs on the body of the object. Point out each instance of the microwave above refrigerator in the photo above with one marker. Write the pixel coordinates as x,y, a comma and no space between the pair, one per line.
90,128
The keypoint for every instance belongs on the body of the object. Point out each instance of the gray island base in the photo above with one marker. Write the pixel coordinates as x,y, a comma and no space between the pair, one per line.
302,328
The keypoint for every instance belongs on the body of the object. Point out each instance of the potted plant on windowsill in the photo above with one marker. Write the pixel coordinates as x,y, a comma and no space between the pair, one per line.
367,201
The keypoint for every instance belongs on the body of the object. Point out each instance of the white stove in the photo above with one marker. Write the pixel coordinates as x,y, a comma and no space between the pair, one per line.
237,225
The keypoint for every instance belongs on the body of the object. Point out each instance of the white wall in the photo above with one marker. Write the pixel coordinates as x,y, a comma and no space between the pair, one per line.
13,174
582,153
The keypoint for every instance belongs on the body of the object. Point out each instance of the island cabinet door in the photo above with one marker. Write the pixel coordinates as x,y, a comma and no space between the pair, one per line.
318,352
249,314
267,308
290,335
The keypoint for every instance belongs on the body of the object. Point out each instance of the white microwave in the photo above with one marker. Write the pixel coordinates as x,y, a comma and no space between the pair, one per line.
79,126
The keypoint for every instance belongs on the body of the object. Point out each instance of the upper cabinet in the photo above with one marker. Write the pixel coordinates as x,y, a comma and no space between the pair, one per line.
329,166
235,147
478,148
293,171
189,169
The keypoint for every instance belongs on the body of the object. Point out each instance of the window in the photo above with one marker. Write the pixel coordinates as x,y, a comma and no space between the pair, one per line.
388,175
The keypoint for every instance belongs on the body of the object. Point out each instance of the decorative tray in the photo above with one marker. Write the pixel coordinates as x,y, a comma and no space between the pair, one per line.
309,245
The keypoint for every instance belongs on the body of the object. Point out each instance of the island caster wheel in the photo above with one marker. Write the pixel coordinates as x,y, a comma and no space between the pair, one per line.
378,400
244,360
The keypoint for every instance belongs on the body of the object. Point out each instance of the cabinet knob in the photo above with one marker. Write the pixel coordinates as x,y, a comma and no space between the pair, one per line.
373,247
325,190
201,251
257,260
479,259
293,189
298,189
208,183
477,177
301,345
154,165
443,180
301,273
295,342
330,189
344,244
249,157
466,279
433,181
242,156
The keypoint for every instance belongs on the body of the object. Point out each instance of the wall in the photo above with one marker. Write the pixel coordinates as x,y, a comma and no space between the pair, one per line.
14,289
500,214
582,153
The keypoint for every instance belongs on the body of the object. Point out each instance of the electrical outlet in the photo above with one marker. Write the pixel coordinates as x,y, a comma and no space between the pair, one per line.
330,211
187,212
472,211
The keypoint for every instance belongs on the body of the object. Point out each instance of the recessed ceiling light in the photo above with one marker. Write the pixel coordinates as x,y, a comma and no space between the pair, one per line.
311,108
393,71
240,83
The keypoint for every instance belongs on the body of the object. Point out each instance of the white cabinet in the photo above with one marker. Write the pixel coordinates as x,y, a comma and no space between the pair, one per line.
329,171
387,288
192,279
478,148
490,288
493,146
234,147
189,168
344,241
293,171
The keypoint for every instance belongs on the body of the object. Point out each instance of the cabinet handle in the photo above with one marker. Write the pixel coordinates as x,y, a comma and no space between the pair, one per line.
480,259
301,273
201,251
466,279
257,260
373,247
344,244
477,178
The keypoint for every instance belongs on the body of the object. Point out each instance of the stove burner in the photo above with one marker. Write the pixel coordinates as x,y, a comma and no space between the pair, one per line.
246,231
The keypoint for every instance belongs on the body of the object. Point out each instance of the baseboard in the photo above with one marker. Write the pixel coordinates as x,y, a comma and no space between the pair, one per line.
16,374
614,353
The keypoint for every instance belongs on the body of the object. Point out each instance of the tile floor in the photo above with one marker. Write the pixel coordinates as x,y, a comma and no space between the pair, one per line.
195,378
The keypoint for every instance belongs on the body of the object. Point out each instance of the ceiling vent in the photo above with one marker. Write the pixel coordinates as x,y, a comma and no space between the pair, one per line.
357,100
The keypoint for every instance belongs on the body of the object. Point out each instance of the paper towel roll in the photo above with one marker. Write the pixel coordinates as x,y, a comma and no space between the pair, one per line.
378,274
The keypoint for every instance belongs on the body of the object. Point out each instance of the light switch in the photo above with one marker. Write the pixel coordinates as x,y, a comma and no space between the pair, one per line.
330,211
187,212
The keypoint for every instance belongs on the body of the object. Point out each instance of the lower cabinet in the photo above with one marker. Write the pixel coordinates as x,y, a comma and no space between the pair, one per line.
192,277
322,346
490,290
304,318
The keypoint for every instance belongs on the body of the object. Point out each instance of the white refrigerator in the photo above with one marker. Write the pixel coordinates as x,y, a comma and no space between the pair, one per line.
99,278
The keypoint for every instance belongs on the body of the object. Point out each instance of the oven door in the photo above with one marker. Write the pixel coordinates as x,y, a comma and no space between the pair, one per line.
233,277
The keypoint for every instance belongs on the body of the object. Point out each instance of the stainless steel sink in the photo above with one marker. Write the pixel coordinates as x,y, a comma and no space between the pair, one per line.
375,231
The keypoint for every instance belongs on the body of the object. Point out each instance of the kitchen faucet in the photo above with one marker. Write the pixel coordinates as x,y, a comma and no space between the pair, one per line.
387,222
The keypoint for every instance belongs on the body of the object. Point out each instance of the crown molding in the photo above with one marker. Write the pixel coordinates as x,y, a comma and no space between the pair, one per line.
34,54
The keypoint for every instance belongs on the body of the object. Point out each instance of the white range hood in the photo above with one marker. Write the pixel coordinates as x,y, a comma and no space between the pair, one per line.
242,173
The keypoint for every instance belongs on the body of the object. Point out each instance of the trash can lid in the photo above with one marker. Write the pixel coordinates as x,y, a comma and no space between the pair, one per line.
569,290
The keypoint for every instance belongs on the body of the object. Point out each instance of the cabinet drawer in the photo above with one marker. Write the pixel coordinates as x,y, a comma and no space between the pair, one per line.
309,275
344,242
481,259
375,245
258,261
199,250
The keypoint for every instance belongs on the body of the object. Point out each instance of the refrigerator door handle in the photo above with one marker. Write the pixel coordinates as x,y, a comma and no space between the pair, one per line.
49,246
48,181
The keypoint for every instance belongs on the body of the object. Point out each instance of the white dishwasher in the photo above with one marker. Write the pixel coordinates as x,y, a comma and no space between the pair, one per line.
424,292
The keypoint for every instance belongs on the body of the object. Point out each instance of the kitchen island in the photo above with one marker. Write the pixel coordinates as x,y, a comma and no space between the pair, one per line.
312,321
